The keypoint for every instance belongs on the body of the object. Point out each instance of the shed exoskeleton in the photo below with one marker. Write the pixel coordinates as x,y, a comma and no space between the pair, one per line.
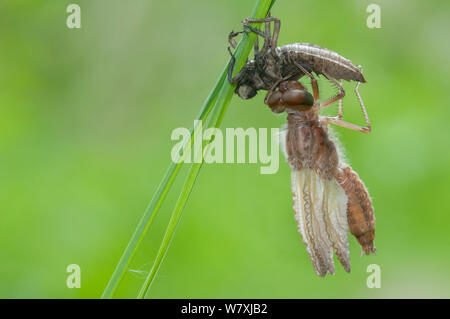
273,65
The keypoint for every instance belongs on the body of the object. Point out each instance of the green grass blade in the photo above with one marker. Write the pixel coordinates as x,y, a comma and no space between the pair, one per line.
260,11
157,200
181,202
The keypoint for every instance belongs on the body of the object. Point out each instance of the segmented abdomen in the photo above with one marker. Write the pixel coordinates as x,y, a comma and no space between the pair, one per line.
320,60
360,216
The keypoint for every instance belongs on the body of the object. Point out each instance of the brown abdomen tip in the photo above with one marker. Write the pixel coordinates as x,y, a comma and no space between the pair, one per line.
360,215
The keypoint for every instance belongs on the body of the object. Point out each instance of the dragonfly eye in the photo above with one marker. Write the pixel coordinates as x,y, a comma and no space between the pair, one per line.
295,97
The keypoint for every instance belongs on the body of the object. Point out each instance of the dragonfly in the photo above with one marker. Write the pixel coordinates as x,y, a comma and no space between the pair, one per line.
329,197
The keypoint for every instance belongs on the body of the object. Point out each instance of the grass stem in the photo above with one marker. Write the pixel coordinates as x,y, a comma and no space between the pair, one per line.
217,102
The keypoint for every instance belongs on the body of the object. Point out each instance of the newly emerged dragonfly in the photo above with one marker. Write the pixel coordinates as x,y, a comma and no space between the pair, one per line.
329,197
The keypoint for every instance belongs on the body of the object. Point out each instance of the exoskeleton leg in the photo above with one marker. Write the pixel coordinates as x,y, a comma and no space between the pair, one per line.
230,69
315,86
233,43
363,108
265,35
256,46
276,31
231,37
338,120
368,127
335,98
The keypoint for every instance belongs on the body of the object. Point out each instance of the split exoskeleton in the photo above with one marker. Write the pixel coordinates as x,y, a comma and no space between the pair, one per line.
273,65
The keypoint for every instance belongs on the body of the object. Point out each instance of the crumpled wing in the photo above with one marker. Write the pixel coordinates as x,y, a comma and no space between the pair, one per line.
320,207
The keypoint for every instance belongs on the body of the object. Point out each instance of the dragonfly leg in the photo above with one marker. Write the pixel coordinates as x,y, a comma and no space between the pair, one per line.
341,108
338,120
315,86
333,99
351,126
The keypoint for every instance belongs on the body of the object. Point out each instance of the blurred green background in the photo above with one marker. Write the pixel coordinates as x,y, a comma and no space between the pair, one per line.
85,122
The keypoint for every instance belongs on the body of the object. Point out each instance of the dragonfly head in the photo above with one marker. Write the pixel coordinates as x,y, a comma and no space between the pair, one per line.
291,95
